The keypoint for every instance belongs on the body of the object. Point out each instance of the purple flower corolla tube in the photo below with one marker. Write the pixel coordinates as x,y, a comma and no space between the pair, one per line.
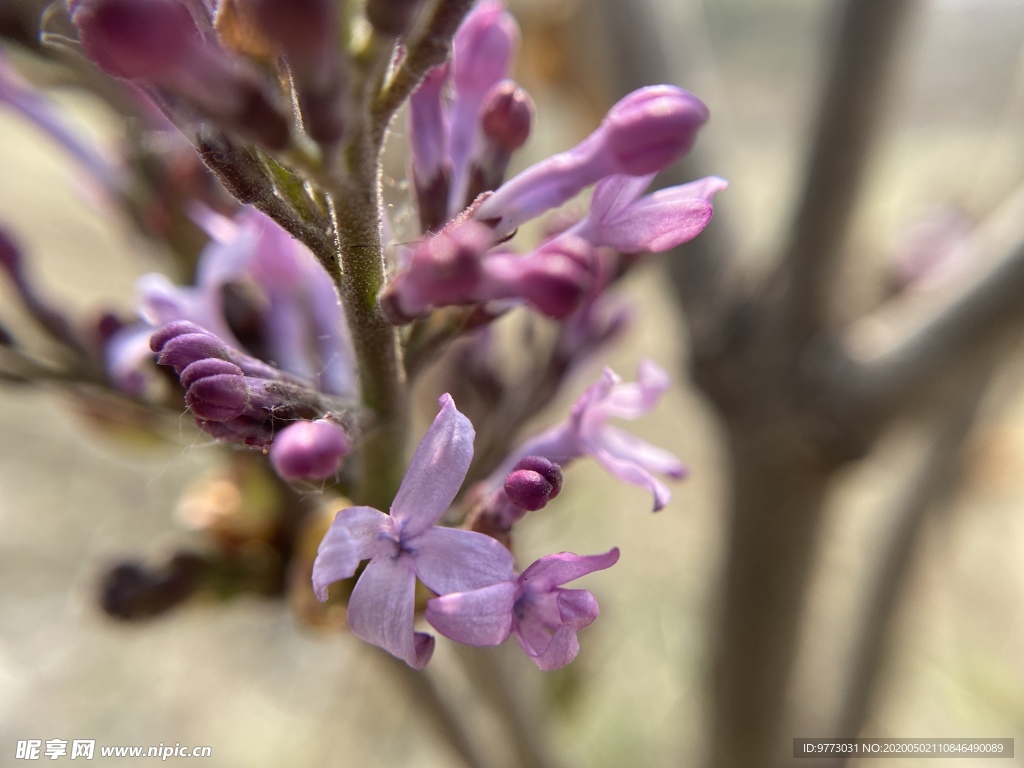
406,544
642,134
587,433
482,52
543,617
651,224
454,267
428,148
309,449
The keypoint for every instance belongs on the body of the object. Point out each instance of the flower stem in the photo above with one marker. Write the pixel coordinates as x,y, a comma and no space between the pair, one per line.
355,210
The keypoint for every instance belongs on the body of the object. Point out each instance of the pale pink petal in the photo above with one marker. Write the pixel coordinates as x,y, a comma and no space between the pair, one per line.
357,534
613,194
452,560
436,472
577,607
554,570
381,610
633,400
563,647
634,474
481,617
653,227
652,458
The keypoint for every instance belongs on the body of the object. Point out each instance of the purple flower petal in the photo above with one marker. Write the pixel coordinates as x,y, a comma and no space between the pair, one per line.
578,607
482,617
634,474
381,610
453,560
554,570
614,194
436,472
357,534
558,650
651,457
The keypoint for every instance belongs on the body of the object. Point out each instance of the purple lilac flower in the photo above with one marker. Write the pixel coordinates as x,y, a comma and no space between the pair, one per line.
299,322
642,134
588,433
407,544
543,617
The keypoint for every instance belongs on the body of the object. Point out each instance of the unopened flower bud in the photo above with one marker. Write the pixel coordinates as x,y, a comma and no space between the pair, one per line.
309,449
554,278
653,127
533,483
392,17
158,42
444,269
505,122
643,133
507,116
221,397
136,39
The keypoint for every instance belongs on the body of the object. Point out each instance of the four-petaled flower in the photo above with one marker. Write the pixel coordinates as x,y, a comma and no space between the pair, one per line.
587,433
543,617
407,545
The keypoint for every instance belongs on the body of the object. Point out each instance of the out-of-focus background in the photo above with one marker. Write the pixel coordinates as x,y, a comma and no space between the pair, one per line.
245,680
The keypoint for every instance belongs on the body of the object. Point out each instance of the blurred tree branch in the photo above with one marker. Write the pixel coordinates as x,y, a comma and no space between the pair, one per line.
952,419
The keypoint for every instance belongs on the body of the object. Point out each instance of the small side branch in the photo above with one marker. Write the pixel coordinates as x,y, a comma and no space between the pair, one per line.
936,477
982,312
429,46
849,115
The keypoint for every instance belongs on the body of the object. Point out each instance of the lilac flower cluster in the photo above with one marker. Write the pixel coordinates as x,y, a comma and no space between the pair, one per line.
292,114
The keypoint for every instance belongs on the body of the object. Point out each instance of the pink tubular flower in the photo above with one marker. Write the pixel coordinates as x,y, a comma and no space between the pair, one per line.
587,433
543,617
406,544
454,267
642,134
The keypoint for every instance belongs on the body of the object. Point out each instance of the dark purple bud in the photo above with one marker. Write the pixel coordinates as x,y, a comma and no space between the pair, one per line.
136,39
392,17
533,483
131,591
309,449
181,343
221,397
507,116
205,368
